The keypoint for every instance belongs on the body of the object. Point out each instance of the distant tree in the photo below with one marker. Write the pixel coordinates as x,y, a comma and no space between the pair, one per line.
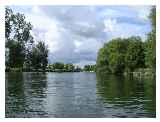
58,65
69,67
89,68
78,69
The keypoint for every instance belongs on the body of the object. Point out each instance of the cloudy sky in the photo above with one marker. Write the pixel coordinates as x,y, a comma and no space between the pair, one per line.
74,34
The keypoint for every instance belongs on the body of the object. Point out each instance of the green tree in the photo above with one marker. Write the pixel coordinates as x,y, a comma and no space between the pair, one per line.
150,50
117,49
134,57
16,54
89,68
39,55
102,63
8,22
150,45
17,32
69,67
58,65
78,69
111,57
120,54
152,17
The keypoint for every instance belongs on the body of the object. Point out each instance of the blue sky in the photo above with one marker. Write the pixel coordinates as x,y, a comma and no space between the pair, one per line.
74,34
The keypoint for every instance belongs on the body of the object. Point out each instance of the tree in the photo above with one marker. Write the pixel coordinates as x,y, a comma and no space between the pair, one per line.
38,56
152,17
102,62
150,45
134,57
117,49
120,54
111,57
77,68
16,54
58,65
69,67
8,22
150,50
17,37
89,68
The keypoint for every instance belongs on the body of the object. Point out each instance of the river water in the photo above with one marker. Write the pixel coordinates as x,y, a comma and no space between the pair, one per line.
78,95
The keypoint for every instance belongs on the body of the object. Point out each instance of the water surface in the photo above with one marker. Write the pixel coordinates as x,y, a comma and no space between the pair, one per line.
78,95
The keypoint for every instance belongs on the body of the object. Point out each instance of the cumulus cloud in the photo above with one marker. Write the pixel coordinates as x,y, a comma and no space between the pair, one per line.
74,34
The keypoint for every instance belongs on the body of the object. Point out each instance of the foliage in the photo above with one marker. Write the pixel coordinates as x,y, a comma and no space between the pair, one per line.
150,50
16,54
89,68
134,57
150,46
38,56
112,56
152,17
21,52
120,55
61,67
17,32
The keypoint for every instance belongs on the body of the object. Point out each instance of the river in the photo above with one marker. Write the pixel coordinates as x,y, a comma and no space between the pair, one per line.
79,95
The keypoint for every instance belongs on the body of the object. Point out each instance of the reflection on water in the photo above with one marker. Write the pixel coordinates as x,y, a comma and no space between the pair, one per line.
78,95
25,94
126,96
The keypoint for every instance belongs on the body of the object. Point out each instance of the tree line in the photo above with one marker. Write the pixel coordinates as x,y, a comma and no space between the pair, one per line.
129,54
69,67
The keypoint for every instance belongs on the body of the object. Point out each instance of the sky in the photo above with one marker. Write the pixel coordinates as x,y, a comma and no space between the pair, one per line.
74,34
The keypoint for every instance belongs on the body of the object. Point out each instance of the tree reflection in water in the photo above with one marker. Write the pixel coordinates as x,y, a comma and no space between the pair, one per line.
130,94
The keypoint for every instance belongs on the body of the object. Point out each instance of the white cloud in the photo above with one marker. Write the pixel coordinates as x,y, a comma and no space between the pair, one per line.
51,38
109,24
45,29
77,43
89,45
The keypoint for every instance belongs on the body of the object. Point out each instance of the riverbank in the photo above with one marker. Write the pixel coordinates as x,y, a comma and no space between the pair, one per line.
142,73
